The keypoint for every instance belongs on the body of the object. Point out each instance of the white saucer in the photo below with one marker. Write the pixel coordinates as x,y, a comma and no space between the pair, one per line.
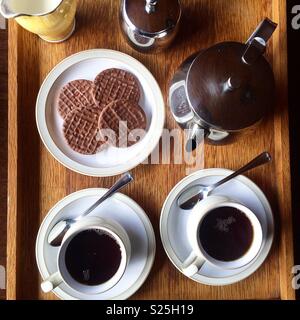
86,65
173,223
120,208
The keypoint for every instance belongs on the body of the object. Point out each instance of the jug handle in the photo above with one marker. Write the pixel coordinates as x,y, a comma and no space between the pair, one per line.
256,44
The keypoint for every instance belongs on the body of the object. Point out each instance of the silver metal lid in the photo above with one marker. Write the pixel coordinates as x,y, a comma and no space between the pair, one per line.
152,17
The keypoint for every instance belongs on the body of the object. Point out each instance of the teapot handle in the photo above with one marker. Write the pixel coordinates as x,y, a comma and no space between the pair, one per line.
256,44
264,31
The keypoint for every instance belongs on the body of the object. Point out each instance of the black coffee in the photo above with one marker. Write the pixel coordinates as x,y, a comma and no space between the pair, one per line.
226,234
93,257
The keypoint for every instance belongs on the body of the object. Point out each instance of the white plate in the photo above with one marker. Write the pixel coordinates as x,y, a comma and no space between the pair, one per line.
86,65
119,208
174,220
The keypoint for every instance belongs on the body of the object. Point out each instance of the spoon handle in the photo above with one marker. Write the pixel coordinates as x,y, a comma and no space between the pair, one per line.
121,183
263,158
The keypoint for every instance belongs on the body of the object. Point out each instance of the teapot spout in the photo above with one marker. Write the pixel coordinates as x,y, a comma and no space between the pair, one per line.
196,134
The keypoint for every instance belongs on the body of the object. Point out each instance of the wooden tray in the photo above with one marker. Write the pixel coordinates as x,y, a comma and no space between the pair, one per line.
37,181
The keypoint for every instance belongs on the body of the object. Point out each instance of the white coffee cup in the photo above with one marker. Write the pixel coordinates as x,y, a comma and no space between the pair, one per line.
111,228
199,256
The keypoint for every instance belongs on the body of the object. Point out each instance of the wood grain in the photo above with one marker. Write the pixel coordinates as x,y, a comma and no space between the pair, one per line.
37,181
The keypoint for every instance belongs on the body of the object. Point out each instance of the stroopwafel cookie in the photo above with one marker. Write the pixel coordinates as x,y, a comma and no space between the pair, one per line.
81,130
74,95
115,84
120,118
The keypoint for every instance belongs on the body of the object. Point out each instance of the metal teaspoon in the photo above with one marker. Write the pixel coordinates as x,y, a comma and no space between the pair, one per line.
189,198
58,232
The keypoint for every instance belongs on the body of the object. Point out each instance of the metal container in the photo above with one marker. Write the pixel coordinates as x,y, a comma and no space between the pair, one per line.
224,89
150,25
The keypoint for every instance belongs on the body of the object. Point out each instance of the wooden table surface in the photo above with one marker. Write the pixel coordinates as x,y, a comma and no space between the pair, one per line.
55,181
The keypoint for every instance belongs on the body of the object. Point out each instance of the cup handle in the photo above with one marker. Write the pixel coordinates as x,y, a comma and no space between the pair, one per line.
192,265
52,282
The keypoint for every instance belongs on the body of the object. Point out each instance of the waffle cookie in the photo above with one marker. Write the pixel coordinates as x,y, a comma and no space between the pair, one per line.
121,117
76,94
115,84
81,130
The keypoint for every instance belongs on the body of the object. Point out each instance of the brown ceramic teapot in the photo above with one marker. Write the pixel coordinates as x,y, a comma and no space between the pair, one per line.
224,89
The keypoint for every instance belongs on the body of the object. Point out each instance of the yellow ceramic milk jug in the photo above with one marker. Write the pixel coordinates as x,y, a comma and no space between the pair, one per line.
52,20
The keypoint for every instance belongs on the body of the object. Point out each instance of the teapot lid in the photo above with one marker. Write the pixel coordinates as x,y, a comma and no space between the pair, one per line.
152,16
230,86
